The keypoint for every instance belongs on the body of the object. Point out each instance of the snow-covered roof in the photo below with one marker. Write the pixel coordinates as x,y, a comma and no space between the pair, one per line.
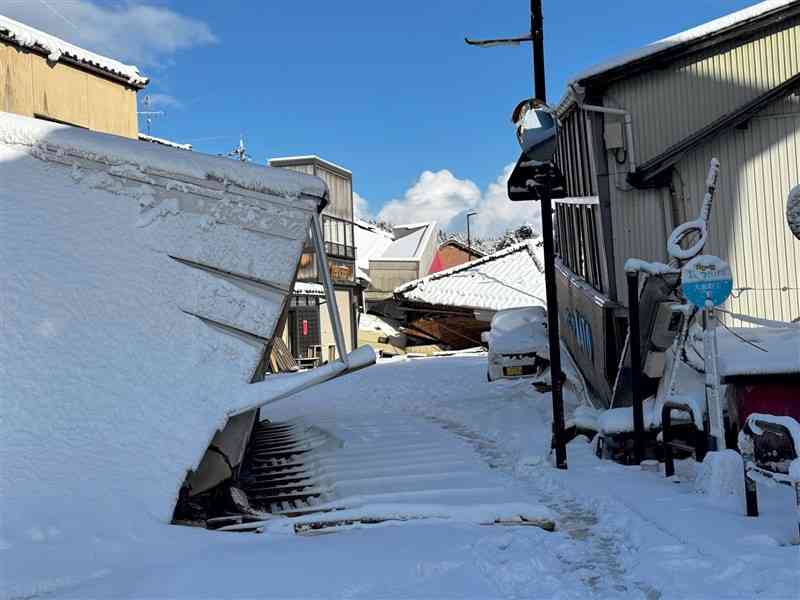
56,48
164,142
138,299
302,288
510,278
371,241
369,322
778,351
410,241
154,159
281,161
734,19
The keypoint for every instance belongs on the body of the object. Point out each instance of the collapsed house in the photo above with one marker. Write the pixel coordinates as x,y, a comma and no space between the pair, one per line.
455,306
144,286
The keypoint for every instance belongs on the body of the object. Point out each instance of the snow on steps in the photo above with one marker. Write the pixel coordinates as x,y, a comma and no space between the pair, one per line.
395,474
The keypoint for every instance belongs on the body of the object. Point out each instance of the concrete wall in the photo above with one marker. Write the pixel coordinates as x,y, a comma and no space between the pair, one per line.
386,275
31,86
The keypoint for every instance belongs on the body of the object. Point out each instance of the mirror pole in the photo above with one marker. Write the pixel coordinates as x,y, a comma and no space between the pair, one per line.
554,337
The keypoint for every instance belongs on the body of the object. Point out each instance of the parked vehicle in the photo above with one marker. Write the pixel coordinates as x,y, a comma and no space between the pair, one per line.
517,343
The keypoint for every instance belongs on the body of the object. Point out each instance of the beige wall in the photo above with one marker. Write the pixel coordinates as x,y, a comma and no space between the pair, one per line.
327,339
31,86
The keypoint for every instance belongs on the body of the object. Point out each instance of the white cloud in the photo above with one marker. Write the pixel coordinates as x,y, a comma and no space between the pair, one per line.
361,207
445,198
498,213
131,32
438,196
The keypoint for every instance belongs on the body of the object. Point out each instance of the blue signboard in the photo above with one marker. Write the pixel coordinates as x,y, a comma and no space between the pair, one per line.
706,278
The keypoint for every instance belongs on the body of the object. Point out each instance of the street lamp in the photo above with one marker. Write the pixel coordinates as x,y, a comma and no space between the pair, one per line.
536,177
470,214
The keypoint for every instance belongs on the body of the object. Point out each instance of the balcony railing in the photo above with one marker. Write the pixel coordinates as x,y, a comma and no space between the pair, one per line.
339,237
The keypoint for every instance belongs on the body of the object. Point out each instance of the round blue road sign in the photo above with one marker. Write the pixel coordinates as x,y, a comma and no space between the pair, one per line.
706,278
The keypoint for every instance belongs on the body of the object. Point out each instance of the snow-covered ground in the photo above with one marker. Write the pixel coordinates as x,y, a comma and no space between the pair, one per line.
622,532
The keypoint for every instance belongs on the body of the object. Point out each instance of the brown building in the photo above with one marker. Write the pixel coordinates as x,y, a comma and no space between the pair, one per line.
451,254
48,78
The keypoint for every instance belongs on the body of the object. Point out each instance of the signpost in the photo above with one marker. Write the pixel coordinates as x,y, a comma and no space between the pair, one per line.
707,281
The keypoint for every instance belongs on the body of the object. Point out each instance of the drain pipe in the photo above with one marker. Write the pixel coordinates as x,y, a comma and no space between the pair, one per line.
611,111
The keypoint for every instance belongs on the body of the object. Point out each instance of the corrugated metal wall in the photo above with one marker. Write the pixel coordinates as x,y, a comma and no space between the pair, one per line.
666,105
759,165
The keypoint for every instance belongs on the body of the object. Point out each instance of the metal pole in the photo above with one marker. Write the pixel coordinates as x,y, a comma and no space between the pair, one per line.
537,38
327,284
636,365
554,339
469,240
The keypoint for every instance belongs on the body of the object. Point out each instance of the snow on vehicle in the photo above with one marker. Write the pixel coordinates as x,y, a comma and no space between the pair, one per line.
517,343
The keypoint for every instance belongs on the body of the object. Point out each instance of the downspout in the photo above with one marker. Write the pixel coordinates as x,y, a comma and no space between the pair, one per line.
611,111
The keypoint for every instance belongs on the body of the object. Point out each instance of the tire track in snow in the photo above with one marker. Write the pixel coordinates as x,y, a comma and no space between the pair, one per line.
598,562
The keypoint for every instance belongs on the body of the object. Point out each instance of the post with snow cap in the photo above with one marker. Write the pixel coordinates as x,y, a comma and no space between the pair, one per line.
634,340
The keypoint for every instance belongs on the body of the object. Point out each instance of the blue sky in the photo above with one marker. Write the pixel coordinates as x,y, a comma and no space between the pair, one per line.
387,89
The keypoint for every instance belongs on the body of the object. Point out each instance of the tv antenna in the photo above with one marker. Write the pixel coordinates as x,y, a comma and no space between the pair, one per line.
240,151
147,113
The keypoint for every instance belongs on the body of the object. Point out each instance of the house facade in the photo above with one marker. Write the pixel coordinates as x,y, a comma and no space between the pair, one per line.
637,137
452,253
308,329
48,78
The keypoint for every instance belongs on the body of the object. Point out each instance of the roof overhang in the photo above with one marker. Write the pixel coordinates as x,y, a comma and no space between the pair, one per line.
137,83
738,32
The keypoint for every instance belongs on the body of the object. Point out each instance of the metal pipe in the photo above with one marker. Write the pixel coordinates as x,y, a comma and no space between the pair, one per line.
612,111
469,237
327,284
636,364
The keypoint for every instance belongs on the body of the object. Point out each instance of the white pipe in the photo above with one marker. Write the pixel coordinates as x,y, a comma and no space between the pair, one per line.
612,111
327,284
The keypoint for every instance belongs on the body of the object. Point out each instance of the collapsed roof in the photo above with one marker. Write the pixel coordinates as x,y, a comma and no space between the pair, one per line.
142,285
510,278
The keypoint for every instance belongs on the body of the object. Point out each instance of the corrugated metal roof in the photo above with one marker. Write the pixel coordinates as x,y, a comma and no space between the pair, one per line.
507,279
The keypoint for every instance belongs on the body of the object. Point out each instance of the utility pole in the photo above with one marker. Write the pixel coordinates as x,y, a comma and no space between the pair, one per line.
536,38
470,214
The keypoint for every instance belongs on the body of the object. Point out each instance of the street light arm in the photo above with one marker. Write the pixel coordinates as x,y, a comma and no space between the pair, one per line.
514,41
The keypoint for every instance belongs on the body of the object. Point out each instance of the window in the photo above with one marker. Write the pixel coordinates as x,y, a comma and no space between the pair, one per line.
578,223
339,237
578,239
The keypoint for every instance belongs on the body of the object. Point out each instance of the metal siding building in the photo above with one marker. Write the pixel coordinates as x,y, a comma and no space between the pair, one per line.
727,91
